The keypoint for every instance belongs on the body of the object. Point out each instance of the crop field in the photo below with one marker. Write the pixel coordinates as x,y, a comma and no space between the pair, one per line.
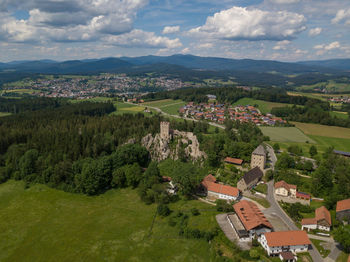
323,130
330,86
286,134
44,224
263,106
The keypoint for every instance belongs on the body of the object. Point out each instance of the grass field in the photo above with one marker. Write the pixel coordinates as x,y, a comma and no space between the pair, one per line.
127,108
331,86
342,115
318,243
4,114
322,130
169,106
43,224
286,134
264,106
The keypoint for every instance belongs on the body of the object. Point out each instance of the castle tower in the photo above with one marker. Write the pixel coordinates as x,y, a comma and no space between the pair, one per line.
164,130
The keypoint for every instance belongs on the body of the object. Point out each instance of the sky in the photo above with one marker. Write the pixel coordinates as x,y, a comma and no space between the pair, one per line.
284,30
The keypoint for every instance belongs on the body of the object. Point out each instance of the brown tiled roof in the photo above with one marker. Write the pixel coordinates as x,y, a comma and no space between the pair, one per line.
235,161
343,205
287,238
209,182
303,195
323,213
285,185
252,174
250,215
309,221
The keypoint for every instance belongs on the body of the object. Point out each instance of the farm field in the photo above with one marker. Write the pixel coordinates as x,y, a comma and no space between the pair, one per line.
330,86
286,134
263,106
343,115
44,224
127,108
169,106
323,130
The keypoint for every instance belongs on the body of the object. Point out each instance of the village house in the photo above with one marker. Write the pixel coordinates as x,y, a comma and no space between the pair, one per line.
171,187
250,179
233,161
287,257
283,241
248,221
284,189
258,158
321,221
343,210
215,190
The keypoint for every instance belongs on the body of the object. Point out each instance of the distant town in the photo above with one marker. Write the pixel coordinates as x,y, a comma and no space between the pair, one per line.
220,112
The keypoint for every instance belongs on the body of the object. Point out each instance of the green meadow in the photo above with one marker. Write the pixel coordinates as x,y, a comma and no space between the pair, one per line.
263,106
43,224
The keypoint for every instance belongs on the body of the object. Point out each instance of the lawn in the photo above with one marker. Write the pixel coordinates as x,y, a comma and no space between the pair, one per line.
318,244
264,106
286,134
169,106
4,114
262,188
44,224
323,130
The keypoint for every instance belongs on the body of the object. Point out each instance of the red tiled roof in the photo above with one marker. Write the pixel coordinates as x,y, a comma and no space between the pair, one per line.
323,213
209,182
303,195
287,238
287,255
235,161
250,215
309,221
285,185
343,205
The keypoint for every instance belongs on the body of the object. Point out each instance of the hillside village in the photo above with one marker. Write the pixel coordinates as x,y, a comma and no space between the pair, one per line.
220,112
249,221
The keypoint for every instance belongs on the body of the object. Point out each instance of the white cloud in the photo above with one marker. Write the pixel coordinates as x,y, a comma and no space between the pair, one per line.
171,29
239,23
315,31
342,15
139,38
281,45
331,46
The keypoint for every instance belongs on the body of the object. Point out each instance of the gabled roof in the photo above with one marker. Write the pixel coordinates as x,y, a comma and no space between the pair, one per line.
250,215
260,150
323,213
287,238
309,221
235,161
285,185
209,182
253,174
343,205
287,255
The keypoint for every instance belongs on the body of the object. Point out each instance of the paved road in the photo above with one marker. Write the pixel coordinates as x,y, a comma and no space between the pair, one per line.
276,209
272,156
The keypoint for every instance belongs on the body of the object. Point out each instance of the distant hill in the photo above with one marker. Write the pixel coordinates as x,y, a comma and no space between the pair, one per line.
187,61
340,64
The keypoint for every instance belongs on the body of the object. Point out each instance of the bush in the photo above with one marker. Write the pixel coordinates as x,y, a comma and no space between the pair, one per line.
195,211
163,210
223,206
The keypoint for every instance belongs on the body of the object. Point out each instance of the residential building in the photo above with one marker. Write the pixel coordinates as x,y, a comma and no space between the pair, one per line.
321,221
284,189
234,161
250,179
283,241
248,221
258,158
214,190
287,256
343,210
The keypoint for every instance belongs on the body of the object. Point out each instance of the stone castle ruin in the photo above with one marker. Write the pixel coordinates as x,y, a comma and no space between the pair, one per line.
168,143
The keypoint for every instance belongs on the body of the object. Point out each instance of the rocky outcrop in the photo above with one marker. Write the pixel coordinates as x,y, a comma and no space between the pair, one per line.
180,143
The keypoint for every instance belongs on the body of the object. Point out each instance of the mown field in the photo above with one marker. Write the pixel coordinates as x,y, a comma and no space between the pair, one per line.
169,106
319,135
44,224
4,114
127,108
263,106
330,86
286,134
323,130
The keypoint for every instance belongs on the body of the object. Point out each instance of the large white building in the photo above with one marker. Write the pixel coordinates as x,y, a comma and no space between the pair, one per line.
215,190
283,241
